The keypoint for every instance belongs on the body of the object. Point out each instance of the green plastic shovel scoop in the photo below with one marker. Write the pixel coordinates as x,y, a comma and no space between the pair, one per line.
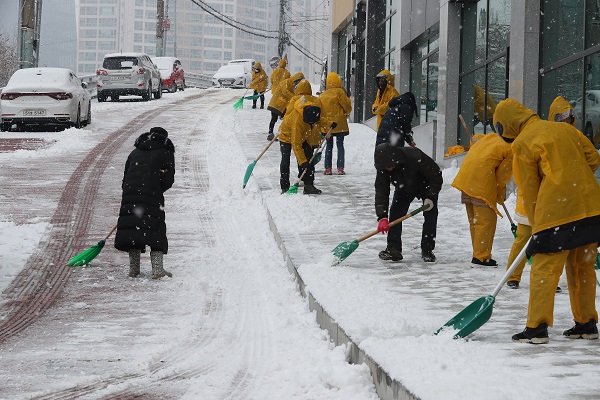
479,312
344,249
294,188
251,166
85,257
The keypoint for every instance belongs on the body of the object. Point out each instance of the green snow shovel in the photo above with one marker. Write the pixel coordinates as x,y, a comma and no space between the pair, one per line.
240,103
513,227
479,312
344,249
250,167
84,258
294,189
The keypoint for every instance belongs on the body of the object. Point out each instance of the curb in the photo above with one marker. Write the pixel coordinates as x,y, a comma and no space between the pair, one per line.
386,387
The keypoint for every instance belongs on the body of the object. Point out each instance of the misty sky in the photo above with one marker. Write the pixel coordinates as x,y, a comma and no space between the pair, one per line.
9,17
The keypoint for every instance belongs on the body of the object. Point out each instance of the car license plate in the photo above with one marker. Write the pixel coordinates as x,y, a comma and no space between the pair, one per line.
118,78
34,113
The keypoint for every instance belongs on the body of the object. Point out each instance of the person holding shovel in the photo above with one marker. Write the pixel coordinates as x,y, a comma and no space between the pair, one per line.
482,179
259,84
560,111
149,172
336,107
277,104
561,196
414,175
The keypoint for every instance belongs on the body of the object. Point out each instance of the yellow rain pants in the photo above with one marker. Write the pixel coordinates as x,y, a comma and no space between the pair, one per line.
546,269
523,235
482,223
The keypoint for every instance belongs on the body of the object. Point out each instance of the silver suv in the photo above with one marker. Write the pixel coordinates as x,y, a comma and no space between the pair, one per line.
127,74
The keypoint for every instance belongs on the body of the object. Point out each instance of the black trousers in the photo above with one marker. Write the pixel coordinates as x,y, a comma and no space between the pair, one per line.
284,166
398,209
274,117
262,100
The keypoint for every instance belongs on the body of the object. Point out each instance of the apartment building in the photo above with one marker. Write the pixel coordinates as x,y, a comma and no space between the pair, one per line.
463,57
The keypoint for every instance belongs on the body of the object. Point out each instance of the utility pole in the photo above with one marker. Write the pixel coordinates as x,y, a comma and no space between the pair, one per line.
174,28
282,36
30,15
160,15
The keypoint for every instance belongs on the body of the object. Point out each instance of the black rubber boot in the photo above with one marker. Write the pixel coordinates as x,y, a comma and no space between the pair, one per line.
390,254
156,258
134,263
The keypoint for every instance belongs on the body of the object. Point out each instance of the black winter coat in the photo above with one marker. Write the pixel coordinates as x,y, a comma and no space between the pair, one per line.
398,120
149,172
415,174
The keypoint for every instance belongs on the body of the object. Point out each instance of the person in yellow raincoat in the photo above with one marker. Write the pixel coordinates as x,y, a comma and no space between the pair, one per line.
561,196
481,115
336,107
482,180
278,75
385,92
285,135
259,83
307,125
282,95
560,111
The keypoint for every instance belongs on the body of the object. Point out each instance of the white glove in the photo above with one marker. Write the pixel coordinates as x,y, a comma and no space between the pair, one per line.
428,202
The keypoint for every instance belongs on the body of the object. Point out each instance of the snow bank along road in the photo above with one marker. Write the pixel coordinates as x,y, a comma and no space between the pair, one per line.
229,325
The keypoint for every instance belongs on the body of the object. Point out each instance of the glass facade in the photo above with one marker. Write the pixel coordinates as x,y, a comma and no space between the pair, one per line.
570,58
484,64
424,77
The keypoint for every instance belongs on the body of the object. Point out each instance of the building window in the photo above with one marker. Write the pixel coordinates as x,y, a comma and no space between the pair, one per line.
151,14
138,26
570,57
89,11
424,58
139,14
484,64
213,30
227,44
106,45
139,3
137,48
106,10
212,54
212,43
108,22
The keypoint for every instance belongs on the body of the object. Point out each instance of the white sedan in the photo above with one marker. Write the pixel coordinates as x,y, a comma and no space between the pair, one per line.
45,96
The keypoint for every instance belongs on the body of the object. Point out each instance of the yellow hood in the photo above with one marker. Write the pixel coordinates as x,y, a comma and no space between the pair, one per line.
388,75
303,88
560,106
305,101
282,63
333,81
258,65
297,76
513,116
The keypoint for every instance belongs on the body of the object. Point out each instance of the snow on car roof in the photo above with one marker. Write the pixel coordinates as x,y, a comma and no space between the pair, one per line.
124,55
36,78
164,62
230,70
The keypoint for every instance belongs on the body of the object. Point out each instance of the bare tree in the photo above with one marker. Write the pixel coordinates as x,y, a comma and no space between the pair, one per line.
8,57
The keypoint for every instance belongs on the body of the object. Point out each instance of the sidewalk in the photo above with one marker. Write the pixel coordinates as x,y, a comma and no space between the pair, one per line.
390,310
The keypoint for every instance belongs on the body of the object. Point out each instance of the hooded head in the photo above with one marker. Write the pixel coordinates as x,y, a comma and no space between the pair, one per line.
383,79
282,63
313,103
333,81
257,67
388,156
296,78
409,99
561,111
155,139
303,88
311,114
510,118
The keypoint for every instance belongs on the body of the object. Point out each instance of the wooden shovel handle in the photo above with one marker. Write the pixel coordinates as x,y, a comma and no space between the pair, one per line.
114,228
267,148
395,222
464,124
507,214
313,156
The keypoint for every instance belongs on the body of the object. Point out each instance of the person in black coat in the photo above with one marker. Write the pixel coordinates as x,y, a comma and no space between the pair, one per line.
414,175
149,172
396,125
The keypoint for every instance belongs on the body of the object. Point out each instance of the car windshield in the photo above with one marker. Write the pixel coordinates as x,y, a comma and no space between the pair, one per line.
120,62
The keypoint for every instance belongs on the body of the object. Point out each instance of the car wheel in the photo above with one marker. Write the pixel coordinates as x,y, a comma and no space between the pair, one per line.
4,127
148,95
158,93
173,88
89,114
101,98
78,124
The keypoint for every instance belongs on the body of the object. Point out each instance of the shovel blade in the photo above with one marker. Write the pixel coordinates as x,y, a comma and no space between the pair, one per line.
293,189
239,104
343,250
85,257
471,318
248,173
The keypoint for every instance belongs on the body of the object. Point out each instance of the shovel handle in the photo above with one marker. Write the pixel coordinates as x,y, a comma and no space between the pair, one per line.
512,268
310,161
464,124
114,228
395,222
507,214
267,148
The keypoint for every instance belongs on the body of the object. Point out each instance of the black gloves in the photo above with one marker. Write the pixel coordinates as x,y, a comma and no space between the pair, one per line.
308,167
333,125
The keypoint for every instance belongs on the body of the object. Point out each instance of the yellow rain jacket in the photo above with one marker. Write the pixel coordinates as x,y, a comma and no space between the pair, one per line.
285,128
279,74
478,104
545,177
336,104
302,131
283,93
260,81
380,105
486,170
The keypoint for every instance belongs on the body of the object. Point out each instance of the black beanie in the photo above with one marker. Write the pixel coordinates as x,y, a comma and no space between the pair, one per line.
160,131
311,114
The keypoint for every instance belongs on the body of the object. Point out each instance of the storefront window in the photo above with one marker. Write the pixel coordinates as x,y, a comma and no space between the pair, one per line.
424,78
561,29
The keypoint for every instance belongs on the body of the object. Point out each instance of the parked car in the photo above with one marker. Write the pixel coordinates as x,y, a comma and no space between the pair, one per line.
248,63
45,96
128,74
231,75
591,125
171,73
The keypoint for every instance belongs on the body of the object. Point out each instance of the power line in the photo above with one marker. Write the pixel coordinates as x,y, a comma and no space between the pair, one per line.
214,11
